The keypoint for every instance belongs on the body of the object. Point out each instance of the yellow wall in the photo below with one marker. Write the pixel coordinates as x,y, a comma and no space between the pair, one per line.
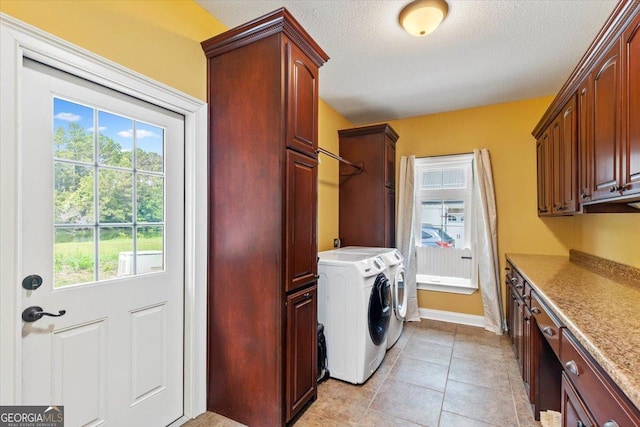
611,236
157,38
504,129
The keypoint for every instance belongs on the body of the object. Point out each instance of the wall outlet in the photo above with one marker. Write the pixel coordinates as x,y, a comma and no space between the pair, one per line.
336,243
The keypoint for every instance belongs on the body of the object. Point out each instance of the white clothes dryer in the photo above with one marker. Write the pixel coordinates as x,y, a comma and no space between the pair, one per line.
396,273
354,304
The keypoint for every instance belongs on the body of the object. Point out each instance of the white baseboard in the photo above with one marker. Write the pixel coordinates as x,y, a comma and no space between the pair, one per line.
452,317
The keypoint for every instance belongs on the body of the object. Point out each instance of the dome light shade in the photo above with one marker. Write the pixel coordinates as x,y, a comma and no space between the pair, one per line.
422,17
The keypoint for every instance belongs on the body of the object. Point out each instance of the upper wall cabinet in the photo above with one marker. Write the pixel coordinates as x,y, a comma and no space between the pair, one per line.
588,141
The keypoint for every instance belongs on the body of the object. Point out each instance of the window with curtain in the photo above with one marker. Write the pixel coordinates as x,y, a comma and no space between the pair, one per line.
444,217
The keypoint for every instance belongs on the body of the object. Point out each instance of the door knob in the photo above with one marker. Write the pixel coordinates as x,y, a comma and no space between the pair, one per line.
33,313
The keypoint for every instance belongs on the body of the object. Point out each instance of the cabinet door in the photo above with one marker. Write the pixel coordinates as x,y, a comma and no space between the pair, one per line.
302,101
526,349
606,103
555,160
302,349
390,164
631,108
569,160
544,197
301,211
390,218
573,411
518,333
585,139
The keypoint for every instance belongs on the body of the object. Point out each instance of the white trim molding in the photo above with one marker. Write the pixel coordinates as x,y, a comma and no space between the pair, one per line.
452,317
19,40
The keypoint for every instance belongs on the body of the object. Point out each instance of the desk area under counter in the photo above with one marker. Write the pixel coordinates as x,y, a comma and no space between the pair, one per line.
576,332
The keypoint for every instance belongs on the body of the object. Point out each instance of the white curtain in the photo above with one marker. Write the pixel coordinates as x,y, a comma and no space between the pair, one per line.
405,239
487,241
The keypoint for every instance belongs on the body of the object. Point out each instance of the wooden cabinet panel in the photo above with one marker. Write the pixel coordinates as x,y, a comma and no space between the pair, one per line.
585,139
544,173
606,104
390,159
555,138
302,101
390,219
631,108
300,227
573,411
569,158
301,349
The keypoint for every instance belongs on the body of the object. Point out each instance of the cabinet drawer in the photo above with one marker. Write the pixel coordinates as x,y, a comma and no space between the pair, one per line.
549,327
603,399
515,279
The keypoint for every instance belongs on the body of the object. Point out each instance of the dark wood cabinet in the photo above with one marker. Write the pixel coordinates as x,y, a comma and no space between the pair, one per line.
543,147
367,198
263,103
300,225
598,107
302,347
585,139
558,373
631,108
567,170
557,160
606,125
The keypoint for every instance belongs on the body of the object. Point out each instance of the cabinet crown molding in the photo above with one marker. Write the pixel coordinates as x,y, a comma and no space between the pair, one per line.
278,21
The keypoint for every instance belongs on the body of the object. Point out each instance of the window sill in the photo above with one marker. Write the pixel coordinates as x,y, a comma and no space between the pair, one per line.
454,285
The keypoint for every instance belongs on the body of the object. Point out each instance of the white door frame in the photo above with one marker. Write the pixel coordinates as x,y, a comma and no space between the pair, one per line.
18,40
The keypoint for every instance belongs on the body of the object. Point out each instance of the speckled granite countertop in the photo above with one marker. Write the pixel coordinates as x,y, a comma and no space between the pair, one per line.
602,313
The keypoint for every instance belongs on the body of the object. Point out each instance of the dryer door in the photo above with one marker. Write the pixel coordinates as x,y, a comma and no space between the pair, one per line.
379,309
400,296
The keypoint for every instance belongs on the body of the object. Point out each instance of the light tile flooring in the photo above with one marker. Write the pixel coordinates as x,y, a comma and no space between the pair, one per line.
437,374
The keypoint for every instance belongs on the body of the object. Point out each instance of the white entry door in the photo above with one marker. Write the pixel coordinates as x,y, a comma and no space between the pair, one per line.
102,229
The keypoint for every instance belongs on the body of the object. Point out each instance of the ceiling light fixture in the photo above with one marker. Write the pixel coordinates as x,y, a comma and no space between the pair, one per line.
422,17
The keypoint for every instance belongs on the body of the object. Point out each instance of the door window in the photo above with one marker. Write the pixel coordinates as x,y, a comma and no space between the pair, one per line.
109,195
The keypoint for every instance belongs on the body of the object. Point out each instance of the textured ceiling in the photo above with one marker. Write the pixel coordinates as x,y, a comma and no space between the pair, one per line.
485,52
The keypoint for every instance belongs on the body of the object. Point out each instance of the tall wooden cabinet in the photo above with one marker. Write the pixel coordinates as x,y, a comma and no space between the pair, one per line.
367,198
263,127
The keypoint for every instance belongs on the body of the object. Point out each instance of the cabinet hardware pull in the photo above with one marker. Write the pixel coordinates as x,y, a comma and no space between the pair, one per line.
548,331
514,280
612,189
584,90
573,368
584,195
621,188
611,423
307,295
535,310
518,286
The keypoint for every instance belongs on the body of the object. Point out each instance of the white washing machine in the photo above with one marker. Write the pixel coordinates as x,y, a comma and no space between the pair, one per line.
396,273
354,305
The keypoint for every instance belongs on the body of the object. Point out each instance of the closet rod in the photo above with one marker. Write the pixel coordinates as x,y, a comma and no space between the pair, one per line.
338,158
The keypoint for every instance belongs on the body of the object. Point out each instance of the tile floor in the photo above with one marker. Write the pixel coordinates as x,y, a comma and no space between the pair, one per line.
437,374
